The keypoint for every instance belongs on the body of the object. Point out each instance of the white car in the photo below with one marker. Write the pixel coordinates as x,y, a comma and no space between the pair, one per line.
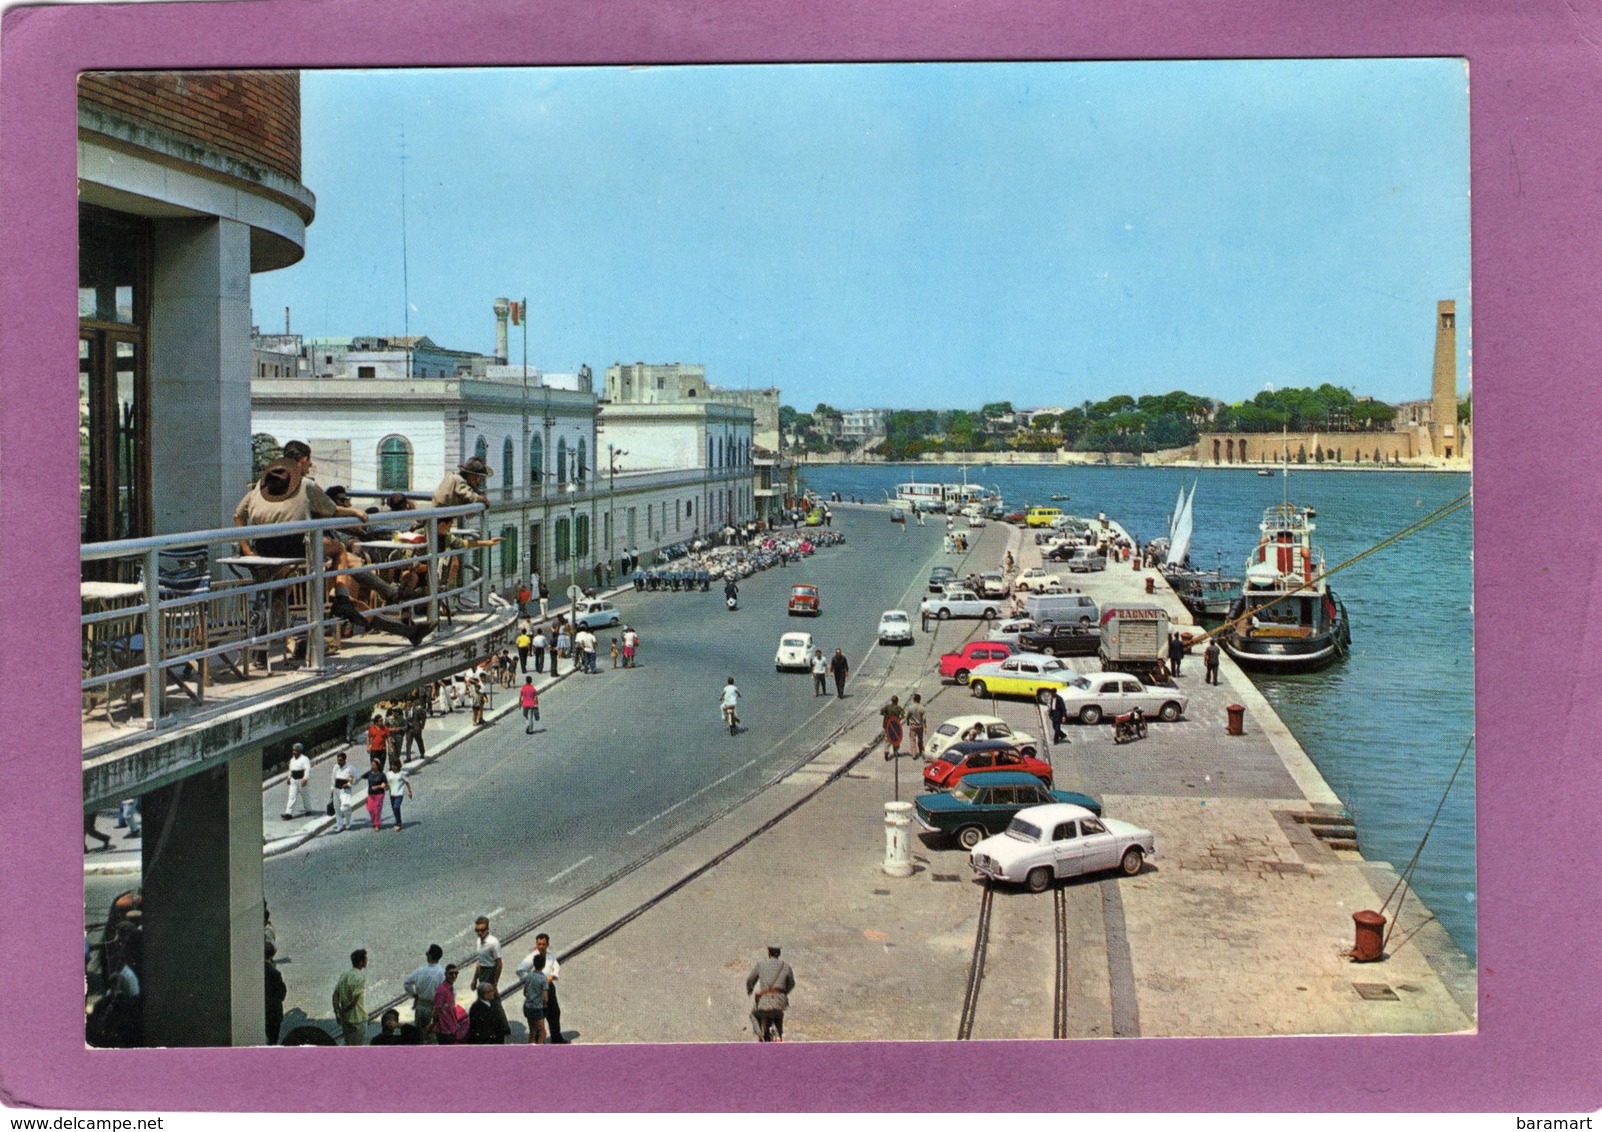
1061,840
1090,697
959,603
795,651
596,615
1032,674
994,727
895,627
1011,629
1037,579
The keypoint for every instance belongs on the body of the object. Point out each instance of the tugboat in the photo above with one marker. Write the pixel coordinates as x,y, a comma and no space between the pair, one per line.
1289,620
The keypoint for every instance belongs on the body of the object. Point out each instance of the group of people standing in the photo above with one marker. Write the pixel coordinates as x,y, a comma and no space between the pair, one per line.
582,646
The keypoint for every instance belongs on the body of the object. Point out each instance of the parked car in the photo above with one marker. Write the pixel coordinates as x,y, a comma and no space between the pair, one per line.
939,576
1010,630
1044,843
1090,697
1085,560
1068,639
795,651
596,615
989,727
985,803
895,627
958,603
1039,580
992,584
961,759
957,665
804,599
1027,674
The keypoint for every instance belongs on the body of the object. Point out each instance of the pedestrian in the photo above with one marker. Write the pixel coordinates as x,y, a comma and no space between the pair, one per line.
389,1030
377,787
451,693
587,647
564,642
276,992
1059,717
450,1020
946,543
525,597
395,782
1210,661
917,724
1176,652
545,598
298,801
475,689
486,1021
528,696
416,719
535,988
631,640
524,642
840,668
820,674
129,815
422,984
540,643
487,963
350,1009
89,829
616,651
553,1005
893,735
378,737
771,982
339,792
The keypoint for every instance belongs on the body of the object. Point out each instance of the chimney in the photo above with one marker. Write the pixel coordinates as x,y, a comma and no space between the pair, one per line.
286,322
503,310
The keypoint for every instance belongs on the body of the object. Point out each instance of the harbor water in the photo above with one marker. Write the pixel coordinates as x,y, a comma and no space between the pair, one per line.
1387,725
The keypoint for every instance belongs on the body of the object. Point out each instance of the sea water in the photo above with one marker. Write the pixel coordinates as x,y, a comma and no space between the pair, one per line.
1388,725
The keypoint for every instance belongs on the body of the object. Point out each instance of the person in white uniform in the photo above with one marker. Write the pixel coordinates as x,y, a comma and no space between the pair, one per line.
299,799
341,790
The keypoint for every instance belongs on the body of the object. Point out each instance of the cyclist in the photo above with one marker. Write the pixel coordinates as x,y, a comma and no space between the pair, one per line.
731,697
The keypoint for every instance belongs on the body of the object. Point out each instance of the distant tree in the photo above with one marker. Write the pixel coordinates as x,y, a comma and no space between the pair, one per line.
1044,422
1465,410
788,418
997,409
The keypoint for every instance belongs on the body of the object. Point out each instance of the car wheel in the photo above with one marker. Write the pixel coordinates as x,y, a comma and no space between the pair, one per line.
778,668
1090,714
1039,879
1084,621
990,614
1030,751
1043,696
977,687
1169,712
1132,861
962,675
970,835
943,615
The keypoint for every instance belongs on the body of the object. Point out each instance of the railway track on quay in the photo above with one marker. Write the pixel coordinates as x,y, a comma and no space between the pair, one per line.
979,962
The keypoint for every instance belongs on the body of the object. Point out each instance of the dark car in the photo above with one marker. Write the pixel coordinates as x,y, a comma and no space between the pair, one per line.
1062,640
1064,551
985,803
959,760
939,576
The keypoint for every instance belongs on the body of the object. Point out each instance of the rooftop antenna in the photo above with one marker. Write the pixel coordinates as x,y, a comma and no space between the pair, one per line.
406,291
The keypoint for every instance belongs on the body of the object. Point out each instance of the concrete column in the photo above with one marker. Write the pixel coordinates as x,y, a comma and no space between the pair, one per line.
199,372
203,979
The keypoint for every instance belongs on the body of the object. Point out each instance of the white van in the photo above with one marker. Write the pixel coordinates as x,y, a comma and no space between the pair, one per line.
1063,608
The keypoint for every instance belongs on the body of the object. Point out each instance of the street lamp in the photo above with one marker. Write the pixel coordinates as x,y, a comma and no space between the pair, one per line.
611,501
571,489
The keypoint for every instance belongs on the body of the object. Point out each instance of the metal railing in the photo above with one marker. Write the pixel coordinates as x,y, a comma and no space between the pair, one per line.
156,627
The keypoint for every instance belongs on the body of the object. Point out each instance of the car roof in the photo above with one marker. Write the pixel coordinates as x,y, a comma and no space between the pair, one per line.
802,586
1001,778
1053,812
901,613
972,745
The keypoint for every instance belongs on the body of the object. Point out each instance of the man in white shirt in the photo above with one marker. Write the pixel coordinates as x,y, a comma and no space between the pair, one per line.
299,800
344,780
487,964
553,968
421,985
820,673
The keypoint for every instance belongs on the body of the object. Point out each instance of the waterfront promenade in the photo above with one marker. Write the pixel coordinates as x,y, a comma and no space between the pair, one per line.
1238,927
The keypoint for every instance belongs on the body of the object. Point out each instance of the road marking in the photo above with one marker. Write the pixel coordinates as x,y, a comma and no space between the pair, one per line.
743,767
570,868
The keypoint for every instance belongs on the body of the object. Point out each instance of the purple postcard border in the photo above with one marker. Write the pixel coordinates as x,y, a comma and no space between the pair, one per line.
1536,149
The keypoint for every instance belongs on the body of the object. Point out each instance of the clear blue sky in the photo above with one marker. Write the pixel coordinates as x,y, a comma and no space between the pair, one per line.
913,235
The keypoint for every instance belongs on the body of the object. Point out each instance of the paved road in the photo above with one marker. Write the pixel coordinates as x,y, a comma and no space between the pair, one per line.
513,826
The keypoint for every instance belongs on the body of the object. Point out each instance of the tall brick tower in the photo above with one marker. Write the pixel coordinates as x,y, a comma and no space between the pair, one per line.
1443,393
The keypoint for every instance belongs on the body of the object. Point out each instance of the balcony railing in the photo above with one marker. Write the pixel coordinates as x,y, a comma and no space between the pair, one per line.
172,615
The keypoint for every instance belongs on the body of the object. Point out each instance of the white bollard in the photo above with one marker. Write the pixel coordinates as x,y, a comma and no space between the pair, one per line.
898,839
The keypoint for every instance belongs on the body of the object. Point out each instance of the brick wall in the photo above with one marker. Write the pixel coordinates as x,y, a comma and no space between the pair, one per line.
251,115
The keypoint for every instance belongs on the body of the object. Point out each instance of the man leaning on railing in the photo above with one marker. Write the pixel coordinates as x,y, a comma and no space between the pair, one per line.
283,495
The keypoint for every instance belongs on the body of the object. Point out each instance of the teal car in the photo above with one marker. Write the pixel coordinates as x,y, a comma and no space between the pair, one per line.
985,803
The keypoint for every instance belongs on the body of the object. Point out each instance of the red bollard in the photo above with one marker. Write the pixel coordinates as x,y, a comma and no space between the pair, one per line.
1370,945
1151,585
1237,719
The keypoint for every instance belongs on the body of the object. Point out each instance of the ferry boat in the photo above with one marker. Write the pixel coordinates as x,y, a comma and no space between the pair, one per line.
1289,620
945,496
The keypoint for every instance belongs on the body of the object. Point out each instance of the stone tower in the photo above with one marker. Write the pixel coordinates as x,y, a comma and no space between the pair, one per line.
1443,392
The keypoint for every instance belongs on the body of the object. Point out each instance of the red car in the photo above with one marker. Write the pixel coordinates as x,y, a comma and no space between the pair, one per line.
957,665
804,599
983,754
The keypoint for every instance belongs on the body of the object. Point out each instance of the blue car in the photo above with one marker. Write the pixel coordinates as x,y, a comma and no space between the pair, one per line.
985,803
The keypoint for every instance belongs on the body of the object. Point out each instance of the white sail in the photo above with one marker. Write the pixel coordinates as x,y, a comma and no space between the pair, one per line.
1173,520
1184,525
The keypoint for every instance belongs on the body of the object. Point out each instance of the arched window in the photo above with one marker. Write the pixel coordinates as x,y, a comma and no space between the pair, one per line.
536,466
561,462
720,452
563,539
481,449
394,464
508,553
581,536
709,452
581,469
506,472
